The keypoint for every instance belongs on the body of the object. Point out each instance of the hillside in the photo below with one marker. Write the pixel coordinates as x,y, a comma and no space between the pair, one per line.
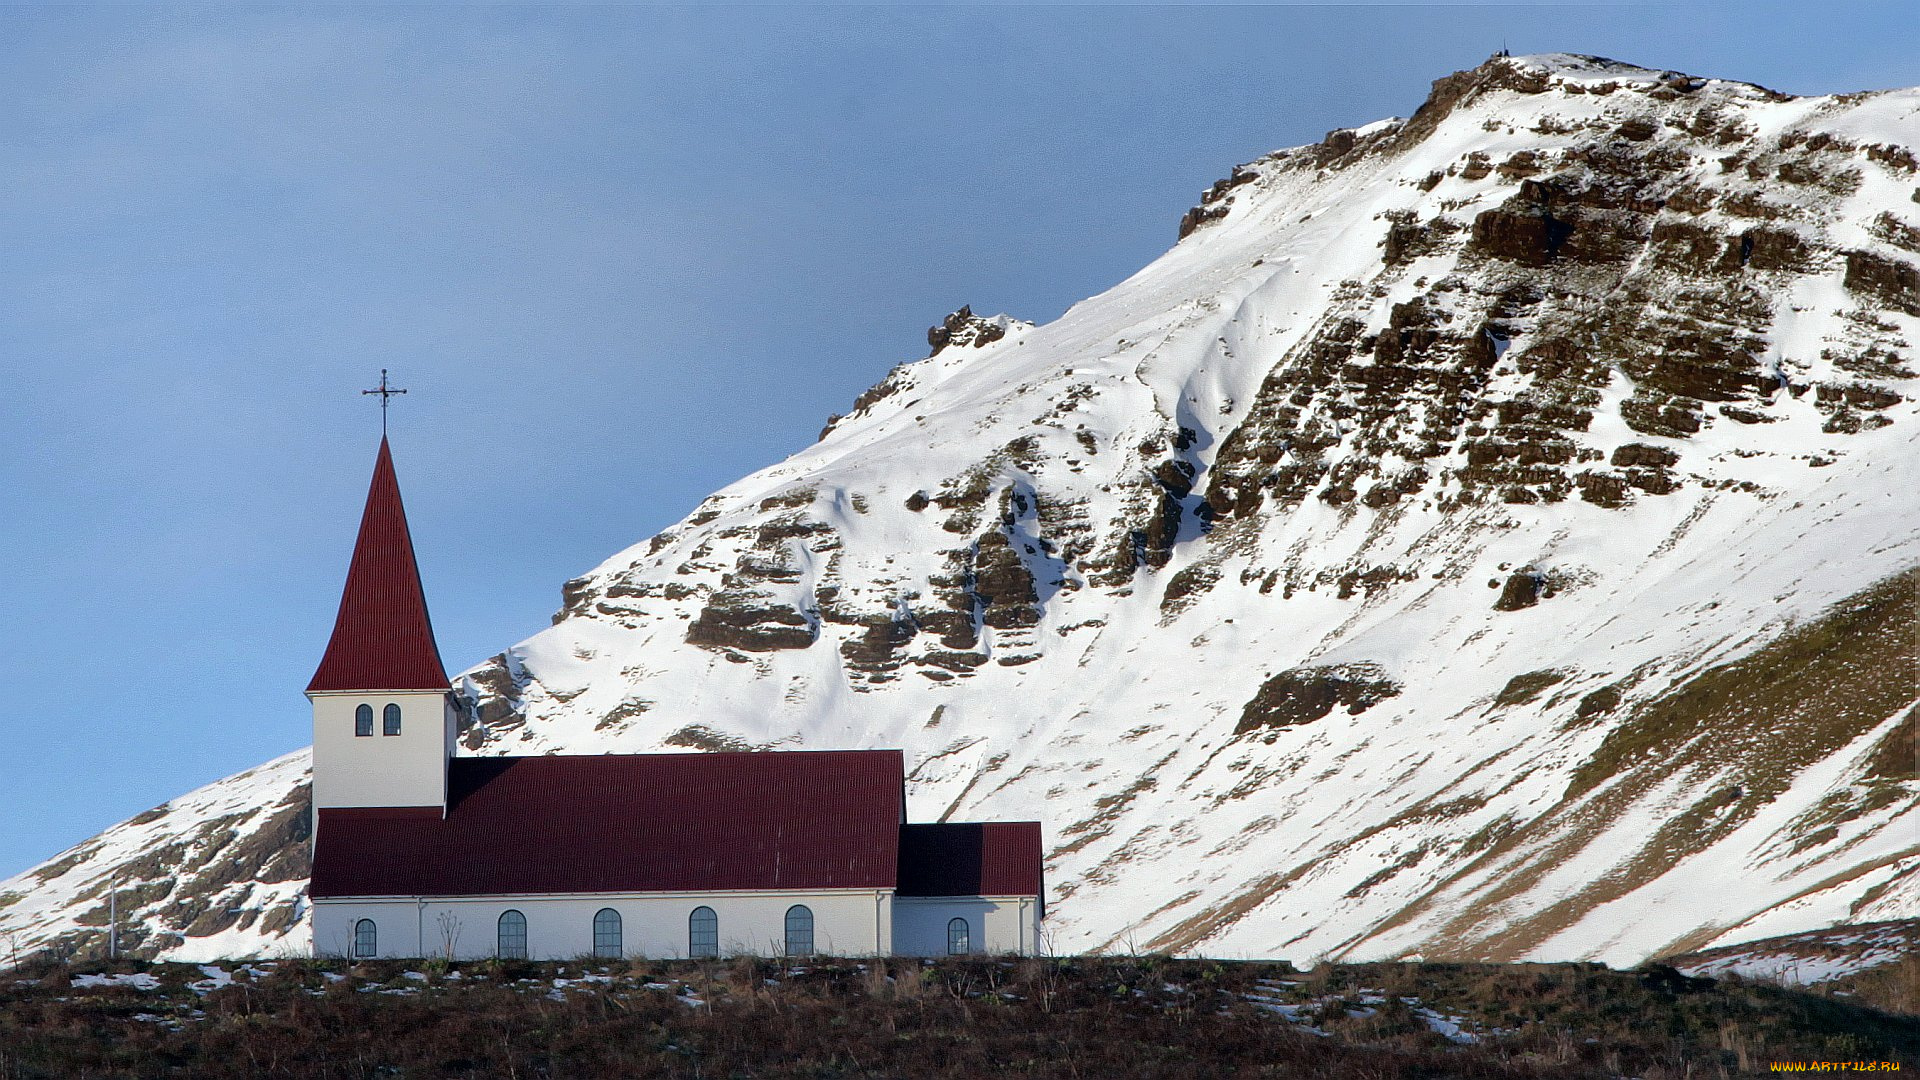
1484,535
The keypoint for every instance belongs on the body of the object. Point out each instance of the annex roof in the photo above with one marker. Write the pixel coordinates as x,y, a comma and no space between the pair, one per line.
382,639
990,858
628,823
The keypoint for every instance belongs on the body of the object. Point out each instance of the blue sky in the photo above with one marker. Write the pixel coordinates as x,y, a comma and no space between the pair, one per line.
619,257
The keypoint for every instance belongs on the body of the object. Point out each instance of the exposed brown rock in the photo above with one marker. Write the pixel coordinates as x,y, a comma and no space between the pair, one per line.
1213,205
1745,416
1524,688
1598,703
1560,217
576,596
1899,158
1689,246
1452,91
728,622
1603,489
1303,695
1896,232
1199,216
1856,395
1003,584
1529,235
879,646
1636,129
1653,413
960,328
1652,481
1522,590
1764,248
1642,454
496,707
1184,586
1889,281
1408,240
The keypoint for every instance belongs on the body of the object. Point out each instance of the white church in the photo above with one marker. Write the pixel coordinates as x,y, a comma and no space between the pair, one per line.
419,853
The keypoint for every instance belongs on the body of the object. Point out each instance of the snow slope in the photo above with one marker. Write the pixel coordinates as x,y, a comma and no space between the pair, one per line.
1488,534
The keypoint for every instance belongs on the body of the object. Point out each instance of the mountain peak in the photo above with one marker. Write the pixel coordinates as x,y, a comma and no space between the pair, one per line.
1584,66
1584,73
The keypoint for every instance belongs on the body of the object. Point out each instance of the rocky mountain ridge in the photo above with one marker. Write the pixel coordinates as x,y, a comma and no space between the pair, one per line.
1487,534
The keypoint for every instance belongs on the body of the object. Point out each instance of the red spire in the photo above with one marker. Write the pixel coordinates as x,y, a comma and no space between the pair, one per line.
382,639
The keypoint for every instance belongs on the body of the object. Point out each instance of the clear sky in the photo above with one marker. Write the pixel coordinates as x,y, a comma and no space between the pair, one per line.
618,256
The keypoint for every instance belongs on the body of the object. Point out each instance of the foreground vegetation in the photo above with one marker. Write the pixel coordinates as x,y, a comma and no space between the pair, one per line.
1080,1017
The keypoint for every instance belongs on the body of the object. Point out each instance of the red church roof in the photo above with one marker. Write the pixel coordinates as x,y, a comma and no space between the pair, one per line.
628,823
382,639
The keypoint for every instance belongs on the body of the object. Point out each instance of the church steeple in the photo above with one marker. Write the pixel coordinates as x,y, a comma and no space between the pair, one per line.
382,638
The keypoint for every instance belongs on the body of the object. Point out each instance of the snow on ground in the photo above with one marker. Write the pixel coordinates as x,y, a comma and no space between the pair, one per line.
138,980
1809,958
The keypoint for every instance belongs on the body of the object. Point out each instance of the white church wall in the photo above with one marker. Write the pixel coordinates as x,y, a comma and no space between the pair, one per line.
995,924
845,923
408,769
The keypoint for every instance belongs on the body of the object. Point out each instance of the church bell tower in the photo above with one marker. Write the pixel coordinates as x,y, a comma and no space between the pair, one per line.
383,718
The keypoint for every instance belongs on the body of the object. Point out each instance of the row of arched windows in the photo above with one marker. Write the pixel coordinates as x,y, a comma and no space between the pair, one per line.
703,934
389,720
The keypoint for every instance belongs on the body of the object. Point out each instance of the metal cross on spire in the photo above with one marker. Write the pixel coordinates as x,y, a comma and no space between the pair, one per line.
385,392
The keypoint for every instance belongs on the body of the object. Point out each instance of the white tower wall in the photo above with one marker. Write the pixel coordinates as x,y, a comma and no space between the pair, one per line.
408,769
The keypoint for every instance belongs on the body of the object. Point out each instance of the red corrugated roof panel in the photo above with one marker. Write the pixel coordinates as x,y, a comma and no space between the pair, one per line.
382,639
628,823
985,858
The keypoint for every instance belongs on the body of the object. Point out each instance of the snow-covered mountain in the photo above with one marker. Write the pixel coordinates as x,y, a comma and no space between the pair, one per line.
1487,534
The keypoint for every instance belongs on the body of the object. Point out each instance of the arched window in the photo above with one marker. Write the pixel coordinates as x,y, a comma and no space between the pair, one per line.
366,939
390,720
959,938
363,720
703,933
799,931
513,935
606,934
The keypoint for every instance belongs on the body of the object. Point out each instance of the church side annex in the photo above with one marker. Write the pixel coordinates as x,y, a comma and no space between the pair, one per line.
418,853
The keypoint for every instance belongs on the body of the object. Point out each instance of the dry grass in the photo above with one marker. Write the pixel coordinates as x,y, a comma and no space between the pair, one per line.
1120,1017
1893,988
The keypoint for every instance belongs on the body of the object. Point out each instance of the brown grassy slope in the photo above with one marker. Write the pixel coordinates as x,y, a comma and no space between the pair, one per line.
1740,732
